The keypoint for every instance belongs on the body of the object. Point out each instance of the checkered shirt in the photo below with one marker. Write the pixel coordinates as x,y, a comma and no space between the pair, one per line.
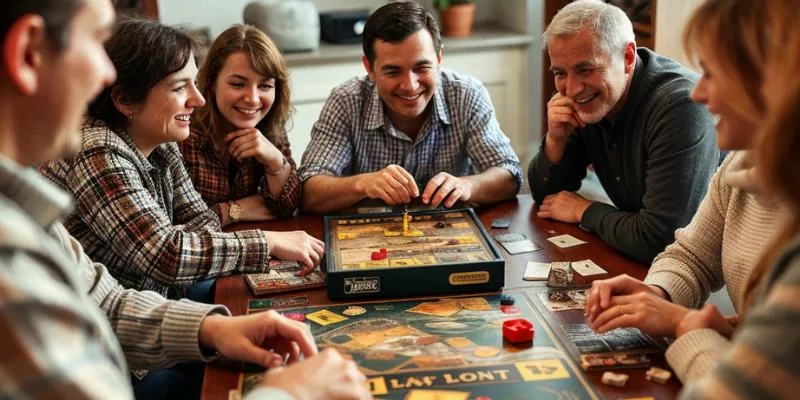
218,182
56,342
143,219
353,134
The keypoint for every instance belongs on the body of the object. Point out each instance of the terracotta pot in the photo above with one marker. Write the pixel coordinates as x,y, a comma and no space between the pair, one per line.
457,19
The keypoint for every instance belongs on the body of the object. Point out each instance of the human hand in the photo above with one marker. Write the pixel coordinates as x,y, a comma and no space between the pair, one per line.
707,317
296,246
249,142
649,313
564,206
322,377
562,119
254,208
598,297
446,188
393,185
247,338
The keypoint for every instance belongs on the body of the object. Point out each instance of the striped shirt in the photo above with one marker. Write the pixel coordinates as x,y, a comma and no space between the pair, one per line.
56,342
762,361
353,134
219,182
143,219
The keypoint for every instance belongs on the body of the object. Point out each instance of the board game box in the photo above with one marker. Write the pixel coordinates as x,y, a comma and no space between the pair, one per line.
449,348
392,255
282,277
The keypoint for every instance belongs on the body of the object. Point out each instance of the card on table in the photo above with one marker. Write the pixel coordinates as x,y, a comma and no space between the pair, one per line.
536,271
564,241
629,340
501,223
516,243
587,268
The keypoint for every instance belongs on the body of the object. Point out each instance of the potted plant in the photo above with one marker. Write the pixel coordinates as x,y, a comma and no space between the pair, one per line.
456,16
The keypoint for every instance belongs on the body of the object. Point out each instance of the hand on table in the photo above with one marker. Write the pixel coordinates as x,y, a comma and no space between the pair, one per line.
446,188
564,206
393,185
296,246
649,313
708,317
247,338
326,376
598,298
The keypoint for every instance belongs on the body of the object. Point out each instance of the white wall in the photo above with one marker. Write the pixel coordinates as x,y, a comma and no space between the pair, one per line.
218,15
671,15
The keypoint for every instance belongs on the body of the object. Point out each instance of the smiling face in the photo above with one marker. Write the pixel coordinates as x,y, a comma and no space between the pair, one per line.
405,76
584,72
70,79
165,114
735,129
242,95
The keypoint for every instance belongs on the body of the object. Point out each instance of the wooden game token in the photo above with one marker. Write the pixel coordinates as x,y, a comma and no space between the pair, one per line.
352,311
295,316
612,379
459,342
486,351
657,375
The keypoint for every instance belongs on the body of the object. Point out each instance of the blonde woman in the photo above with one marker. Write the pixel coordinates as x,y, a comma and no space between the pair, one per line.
735,224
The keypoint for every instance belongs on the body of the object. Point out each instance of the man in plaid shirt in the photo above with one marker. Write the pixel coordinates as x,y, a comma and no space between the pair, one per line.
407,129
56,342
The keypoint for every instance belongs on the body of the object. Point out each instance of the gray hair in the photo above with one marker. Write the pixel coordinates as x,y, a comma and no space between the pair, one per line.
611,25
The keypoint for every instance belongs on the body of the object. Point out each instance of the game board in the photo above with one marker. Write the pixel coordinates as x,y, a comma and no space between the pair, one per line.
436,251
449,348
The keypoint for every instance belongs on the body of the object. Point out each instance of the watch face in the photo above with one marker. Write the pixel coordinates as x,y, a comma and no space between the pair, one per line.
235,211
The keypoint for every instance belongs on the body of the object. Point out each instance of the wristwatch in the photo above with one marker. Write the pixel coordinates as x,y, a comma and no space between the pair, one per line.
235,211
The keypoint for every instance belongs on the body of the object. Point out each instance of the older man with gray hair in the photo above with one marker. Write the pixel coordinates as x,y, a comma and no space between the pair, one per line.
627,111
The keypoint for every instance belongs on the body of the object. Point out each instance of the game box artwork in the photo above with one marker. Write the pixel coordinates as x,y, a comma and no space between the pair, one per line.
450,348
410,253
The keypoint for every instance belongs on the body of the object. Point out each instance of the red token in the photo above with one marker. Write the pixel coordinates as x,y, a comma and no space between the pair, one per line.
518,330
510,310
483,398
379,255
295,316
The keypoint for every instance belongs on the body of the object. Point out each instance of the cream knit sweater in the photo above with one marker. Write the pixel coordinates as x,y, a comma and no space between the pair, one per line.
720,246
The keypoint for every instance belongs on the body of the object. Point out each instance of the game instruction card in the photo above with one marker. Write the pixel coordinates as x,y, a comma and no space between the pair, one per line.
282,277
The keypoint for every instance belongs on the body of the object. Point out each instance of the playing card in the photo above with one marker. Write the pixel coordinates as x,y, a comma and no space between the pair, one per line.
510,237
564,241
587,268
501,223
520,246
536,271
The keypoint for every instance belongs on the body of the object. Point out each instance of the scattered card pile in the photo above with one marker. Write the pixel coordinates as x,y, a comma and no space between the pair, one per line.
560,274
282,277
604,362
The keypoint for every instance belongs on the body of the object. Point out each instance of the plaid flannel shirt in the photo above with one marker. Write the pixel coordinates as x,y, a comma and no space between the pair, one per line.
353,134
218,182
143,219
56,342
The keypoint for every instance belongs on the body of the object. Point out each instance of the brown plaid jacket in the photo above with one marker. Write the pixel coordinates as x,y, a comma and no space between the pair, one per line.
143,219
218,182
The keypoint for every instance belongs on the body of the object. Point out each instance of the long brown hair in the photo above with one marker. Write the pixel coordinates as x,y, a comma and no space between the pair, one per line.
749,37
777,155
266,60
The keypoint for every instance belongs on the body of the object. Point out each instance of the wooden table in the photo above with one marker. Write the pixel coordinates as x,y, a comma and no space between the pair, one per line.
222,376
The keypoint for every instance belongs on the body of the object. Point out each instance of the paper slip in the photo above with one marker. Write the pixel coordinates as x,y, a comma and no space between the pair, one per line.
536,271
564,241
587,268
